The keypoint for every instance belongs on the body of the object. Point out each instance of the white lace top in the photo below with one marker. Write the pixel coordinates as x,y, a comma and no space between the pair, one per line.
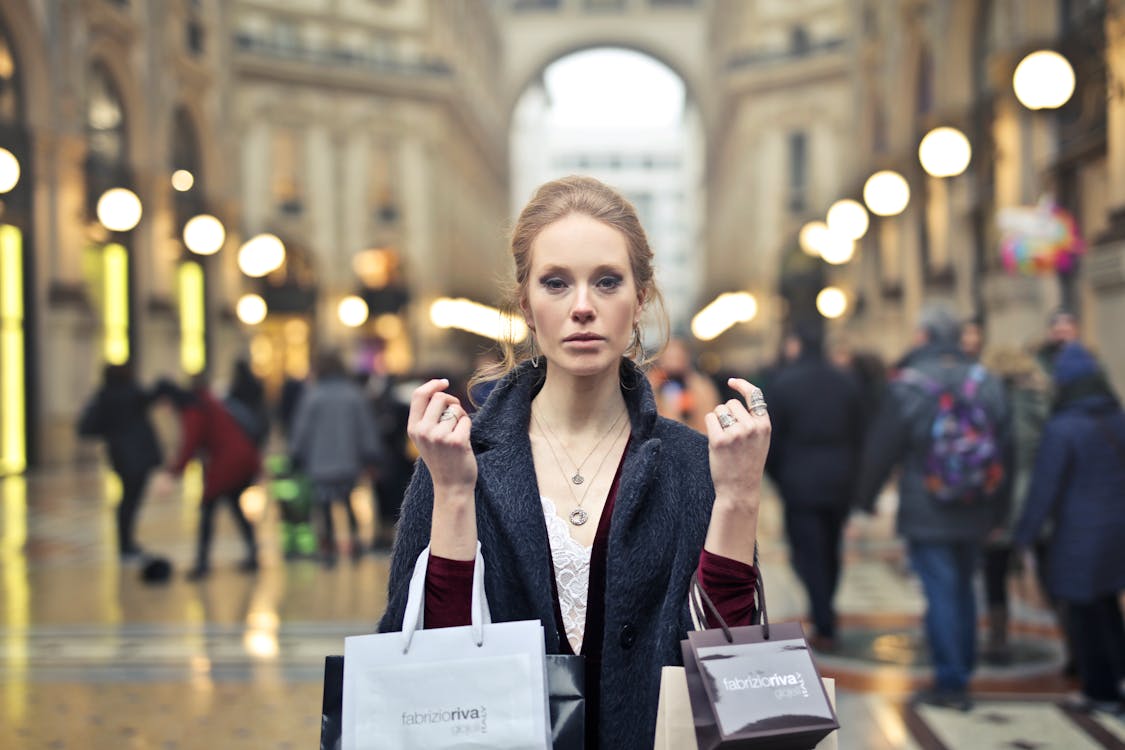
572,574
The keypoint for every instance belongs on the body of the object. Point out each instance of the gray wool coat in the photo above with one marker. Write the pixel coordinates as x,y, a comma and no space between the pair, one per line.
657,531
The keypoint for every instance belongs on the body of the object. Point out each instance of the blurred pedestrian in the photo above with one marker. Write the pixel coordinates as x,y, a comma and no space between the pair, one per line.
814,459
396,465
945,422
246,401
682,392
1078,485
332,441
118,414
230,459
291,391
1062,329
1027,389
972,337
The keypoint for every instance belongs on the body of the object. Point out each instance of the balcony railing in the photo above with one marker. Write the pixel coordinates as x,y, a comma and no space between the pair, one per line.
810,49
339,58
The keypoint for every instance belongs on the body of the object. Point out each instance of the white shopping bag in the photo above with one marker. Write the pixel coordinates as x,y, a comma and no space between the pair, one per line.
478,686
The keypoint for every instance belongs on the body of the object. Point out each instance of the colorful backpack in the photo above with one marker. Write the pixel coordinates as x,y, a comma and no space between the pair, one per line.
963,464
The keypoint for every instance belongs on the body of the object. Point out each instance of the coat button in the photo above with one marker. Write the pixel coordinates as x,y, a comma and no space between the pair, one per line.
628,636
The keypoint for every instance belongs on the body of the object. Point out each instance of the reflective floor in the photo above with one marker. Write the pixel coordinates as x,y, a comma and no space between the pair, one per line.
91,657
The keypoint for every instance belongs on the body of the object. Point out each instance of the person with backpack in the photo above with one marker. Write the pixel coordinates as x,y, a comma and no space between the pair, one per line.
231,461
118,414
945,422
1078,486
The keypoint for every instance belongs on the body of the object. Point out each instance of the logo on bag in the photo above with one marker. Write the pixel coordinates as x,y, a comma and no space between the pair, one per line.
461,721
790,685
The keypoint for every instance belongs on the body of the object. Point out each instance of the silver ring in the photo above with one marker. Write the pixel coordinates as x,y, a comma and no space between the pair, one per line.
758,403
448,414
726,419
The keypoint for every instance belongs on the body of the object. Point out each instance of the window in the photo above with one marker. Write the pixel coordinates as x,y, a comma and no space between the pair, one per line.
798,171
799,41
283,181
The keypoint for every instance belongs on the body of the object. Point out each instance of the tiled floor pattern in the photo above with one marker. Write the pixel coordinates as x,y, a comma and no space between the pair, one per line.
92,658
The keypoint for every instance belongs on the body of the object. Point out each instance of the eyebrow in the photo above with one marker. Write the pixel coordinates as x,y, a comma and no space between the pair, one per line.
603,268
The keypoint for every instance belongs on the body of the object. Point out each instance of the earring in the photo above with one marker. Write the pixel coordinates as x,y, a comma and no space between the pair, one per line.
534,352
637,346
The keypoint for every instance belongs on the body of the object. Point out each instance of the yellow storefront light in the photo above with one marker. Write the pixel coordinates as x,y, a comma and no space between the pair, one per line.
261,255
831,302
352,311
13,448
193,323
1043,80
251,309
848,218
119,209
886,193
945,152
115,275
484,321
723,312
204,234
9,170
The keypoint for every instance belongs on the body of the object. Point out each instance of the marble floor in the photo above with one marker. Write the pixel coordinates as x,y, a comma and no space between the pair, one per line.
91,657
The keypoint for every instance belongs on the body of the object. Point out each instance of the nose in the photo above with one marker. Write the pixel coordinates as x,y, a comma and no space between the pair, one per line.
583,310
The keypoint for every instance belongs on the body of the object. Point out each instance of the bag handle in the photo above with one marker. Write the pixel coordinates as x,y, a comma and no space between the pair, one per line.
412,619
699,600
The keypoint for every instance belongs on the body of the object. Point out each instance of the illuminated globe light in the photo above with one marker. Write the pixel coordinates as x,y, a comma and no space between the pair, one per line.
251,309
848,218
886,193
183,180
813,237
723,312
204,234
352,311
9,170
119,209
944,152
831,302
261,255
837,250
1043,80
474,317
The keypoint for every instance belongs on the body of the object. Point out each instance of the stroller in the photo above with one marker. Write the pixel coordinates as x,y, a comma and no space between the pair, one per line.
294,493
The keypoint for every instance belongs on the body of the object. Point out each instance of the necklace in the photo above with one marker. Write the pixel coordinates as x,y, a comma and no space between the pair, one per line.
577,477
579,516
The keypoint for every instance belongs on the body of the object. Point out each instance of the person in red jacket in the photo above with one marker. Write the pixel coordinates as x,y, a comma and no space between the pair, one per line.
231,461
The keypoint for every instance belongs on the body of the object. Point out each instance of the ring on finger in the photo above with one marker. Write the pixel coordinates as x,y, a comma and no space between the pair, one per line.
449,414
758,403
726,419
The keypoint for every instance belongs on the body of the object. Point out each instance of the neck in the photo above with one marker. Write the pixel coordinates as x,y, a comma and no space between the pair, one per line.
580,405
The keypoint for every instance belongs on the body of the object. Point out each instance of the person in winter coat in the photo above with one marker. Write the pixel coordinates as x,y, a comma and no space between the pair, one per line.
1078,485
592,512
334,439
118,414
814,459
396,465
943,537
231,462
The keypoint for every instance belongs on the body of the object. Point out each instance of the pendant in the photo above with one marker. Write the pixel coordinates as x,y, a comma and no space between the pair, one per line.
578,478
579,516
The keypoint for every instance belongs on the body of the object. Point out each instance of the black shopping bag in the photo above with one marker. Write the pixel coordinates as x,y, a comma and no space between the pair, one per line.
566,683
755,686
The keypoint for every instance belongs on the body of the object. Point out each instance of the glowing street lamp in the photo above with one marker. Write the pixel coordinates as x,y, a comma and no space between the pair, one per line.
119,209
352,311
204,234
831,302
182,180
838,249
9,170
848,218
1043,80
944,152
886,193
251,309
813,237
261,255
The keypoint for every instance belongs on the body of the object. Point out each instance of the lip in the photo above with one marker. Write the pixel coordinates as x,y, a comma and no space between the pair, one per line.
583,338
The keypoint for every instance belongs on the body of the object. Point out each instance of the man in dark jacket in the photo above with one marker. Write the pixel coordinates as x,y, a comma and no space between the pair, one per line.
813,459
118,414
943,536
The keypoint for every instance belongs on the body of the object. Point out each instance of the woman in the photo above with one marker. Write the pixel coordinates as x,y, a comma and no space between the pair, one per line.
592,512
1077,485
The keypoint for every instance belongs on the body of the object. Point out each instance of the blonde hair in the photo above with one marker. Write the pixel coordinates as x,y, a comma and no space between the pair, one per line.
552,202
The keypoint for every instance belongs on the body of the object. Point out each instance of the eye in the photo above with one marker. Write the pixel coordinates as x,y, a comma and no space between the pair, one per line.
552,283
609,283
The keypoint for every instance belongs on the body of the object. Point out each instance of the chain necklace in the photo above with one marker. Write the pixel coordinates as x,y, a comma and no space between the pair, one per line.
579,515
577,477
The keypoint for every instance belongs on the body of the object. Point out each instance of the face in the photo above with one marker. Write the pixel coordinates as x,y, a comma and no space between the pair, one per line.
581,299
972,339
1064,329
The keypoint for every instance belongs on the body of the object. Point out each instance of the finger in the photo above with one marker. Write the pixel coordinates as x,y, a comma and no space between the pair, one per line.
737,410
714,429
462,430
439,402
422,395
744,387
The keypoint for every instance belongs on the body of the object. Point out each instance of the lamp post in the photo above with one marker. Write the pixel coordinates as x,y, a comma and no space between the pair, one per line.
261,255
1043,79
204,234
944,152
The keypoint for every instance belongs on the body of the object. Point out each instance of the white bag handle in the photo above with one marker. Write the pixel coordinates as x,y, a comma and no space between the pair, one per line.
412,619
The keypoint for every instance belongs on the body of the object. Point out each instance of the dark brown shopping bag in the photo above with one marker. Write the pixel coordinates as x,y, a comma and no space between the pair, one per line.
755,686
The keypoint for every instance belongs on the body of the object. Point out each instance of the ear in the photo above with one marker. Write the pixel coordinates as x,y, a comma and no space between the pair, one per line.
525,310
641,299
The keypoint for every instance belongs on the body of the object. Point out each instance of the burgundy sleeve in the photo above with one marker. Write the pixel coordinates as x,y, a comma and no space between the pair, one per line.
730,584
449,592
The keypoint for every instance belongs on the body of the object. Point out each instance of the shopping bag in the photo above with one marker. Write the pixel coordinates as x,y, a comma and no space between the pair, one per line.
566,685
755,686
675,727
483,685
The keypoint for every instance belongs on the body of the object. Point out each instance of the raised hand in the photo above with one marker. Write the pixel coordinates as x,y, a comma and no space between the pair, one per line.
439,427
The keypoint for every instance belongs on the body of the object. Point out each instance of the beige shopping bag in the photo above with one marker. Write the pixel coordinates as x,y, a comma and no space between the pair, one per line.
675,728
